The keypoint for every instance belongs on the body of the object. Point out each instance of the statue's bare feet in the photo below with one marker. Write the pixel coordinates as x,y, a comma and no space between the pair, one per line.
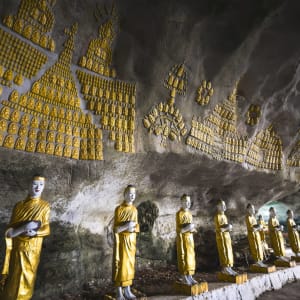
128,294
120,295
192,280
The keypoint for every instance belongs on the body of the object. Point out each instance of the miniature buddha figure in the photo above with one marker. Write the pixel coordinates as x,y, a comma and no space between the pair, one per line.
76,142
20,143
276,237
293,234
5,113
30,146
43,124
68,140
67,151
61,127
49,148
185,241
61,113
58,150
253,229
34,122
13,128
224,240
3,125
69,129
51,136
125,227
15,116
28,226
59,138
41,147
14,96
52,125
25,120
9,141
32,134
75,153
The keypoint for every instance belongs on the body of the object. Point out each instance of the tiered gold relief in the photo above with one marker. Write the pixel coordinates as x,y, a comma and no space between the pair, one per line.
217,134
164,119
265,152
294,156
34,21
114,100
18,59
48,119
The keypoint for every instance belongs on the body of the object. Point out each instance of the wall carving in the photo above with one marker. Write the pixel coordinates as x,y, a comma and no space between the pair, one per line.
265,151
253,115
48,119
204,92
34,21
164,119
114,100
217,134
294,156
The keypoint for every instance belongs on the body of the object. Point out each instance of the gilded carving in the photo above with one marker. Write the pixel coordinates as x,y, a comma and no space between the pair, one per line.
164,119
253,115
204,92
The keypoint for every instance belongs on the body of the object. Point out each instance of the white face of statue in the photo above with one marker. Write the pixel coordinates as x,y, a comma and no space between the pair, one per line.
222,206
251,210
36,188
291,214
272,213
186,202
130,196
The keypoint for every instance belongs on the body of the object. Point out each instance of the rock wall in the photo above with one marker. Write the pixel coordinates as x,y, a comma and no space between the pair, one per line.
254,43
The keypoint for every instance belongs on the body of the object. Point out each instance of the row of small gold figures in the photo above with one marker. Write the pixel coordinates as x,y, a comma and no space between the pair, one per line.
269,157
50,148
224,113
112,109
54,82
124,147
107,94
293,162
113,123
114,129
23,58
264,165
121,136
235,149
105,84
199,145
45,124
56,98
200,126
76,118
267,141
207,138
30,32
97,67
213,121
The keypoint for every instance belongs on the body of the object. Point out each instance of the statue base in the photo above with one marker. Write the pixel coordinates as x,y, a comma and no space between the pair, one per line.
284,264
191,290
139,295
238,279
257,269
295,258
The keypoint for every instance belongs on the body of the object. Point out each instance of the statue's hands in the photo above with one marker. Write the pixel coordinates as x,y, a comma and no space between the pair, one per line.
30,233
32,225
281,228
131,226
230,227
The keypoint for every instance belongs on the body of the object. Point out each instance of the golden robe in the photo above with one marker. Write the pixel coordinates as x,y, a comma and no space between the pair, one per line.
24,255
185,244
276,237
223,241
255,243
125,246
293,235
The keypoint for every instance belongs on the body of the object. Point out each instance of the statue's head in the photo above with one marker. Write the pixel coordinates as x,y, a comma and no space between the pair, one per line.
250,209
221,206
129,194
260,217
186,201
272,212
290,213
36,186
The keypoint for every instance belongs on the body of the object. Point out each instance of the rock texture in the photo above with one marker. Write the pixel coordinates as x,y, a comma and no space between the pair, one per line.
255,43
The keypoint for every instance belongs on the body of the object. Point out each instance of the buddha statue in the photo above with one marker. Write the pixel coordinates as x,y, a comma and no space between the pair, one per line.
125,227
255,243
5,113
50,148
262,234
67,151
20,143
293,234
276,237
185,241
30,146
9,141
28,226
224,240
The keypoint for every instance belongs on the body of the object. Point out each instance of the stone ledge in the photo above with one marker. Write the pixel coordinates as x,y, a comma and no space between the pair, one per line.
250,290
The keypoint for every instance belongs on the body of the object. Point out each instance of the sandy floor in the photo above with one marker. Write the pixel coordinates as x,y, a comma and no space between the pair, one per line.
290,291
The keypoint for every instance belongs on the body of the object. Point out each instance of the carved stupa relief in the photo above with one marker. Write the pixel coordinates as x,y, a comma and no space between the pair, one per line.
165,119
111,98
217,134
48,119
